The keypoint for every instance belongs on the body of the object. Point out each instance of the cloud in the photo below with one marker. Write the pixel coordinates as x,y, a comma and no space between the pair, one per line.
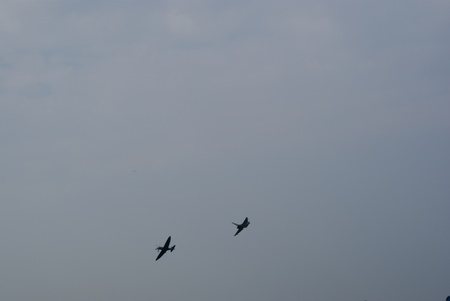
123,123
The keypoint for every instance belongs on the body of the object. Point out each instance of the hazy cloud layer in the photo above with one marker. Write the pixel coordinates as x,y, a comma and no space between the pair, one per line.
325,123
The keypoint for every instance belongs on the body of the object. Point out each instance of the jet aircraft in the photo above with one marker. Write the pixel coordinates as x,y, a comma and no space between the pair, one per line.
164,249
241,226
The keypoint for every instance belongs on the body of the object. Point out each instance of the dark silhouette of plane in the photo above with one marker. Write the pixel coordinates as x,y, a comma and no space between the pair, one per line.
241,226
163,250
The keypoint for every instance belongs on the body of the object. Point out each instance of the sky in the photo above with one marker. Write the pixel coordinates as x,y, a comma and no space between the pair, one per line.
324,122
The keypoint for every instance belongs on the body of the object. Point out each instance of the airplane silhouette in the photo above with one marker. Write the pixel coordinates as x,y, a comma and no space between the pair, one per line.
163,250
241,226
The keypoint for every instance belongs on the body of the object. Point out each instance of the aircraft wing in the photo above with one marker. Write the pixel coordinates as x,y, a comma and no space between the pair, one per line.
166,245
161,253
239,230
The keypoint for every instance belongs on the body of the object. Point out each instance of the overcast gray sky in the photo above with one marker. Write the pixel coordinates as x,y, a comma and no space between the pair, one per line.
325,122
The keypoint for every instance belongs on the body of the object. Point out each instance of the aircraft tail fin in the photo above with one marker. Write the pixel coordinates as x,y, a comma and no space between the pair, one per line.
235,224
173,248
